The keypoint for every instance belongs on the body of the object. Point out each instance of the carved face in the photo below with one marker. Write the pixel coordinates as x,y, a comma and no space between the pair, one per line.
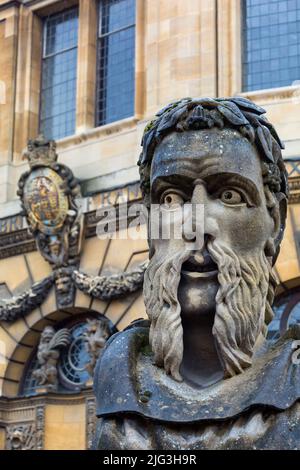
222,171
219,170
17,439
47,334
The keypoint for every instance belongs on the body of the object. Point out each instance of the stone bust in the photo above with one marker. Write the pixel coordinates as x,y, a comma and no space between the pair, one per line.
201,374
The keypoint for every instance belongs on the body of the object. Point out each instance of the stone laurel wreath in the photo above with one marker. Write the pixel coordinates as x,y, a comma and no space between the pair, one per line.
110,287
24,303
99,287
237,113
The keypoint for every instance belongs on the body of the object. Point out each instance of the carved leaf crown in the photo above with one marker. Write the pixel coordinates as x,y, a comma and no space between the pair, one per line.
40,152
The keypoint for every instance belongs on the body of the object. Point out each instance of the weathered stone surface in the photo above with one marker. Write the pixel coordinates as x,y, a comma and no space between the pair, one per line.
201,374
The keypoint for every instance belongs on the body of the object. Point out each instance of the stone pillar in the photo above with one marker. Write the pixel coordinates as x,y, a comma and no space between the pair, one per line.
229,16
28,80
86,69
8,57
180,51
140,73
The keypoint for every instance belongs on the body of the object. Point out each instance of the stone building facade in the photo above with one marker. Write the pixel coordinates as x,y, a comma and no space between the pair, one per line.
90,74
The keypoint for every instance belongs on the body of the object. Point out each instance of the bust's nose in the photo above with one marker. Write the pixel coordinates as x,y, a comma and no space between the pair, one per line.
202,214
200,195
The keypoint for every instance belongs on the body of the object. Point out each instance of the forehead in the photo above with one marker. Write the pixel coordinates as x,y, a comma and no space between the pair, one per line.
203,153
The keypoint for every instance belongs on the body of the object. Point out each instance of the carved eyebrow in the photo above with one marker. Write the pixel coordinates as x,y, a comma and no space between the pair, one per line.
182,183
215,182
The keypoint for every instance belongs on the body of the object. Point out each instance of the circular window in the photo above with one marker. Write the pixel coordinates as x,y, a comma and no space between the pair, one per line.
76,361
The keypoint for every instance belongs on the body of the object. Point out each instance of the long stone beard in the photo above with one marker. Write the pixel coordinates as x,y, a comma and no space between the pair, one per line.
243,307
161,283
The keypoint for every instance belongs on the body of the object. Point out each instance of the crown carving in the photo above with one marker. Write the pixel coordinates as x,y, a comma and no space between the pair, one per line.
40,152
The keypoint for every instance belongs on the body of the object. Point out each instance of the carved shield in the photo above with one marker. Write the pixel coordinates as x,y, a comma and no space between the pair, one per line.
44,200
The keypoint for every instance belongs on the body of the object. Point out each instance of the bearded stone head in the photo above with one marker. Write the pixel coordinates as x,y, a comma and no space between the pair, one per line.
210,303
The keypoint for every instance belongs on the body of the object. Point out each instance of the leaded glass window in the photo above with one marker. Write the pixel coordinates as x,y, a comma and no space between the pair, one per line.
271,43
115,61
73,371
59,72
73,360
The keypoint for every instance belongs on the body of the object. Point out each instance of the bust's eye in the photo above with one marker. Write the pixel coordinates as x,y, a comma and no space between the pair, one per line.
231,197
171,199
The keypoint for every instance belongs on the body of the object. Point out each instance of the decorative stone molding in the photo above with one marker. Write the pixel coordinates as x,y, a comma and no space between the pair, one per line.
16,243
26,427
27,435
20,437
24,418
99,287
272,94
40,427
90,421
294,184
110,287
50,199
14,308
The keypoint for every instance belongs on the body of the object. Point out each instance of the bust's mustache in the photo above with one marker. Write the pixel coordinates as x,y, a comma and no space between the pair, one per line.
243,303
200,264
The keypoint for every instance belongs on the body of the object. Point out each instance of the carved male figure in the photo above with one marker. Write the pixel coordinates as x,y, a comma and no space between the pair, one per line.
48,354
200,374
95,337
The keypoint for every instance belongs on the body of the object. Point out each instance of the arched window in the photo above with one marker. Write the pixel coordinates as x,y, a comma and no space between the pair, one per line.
74,363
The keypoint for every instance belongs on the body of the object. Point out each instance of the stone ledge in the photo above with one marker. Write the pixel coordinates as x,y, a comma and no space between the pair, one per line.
272,94
110,181
98,132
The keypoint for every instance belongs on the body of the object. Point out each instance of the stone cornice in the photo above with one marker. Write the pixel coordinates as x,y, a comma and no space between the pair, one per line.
7,403
10,4
20,241
272,94
15,238
26,415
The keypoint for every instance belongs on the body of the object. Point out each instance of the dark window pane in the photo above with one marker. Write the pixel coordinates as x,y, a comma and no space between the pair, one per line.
59,71
116,14
73,361
271,36
116,61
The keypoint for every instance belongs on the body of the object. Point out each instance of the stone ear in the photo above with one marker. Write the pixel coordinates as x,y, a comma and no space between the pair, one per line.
282,213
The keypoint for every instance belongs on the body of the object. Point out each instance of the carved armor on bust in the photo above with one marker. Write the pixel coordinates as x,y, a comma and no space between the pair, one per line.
200,374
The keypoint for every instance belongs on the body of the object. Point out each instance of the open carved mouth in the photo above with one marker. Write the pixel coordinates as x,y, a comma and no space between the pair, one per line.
200,265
